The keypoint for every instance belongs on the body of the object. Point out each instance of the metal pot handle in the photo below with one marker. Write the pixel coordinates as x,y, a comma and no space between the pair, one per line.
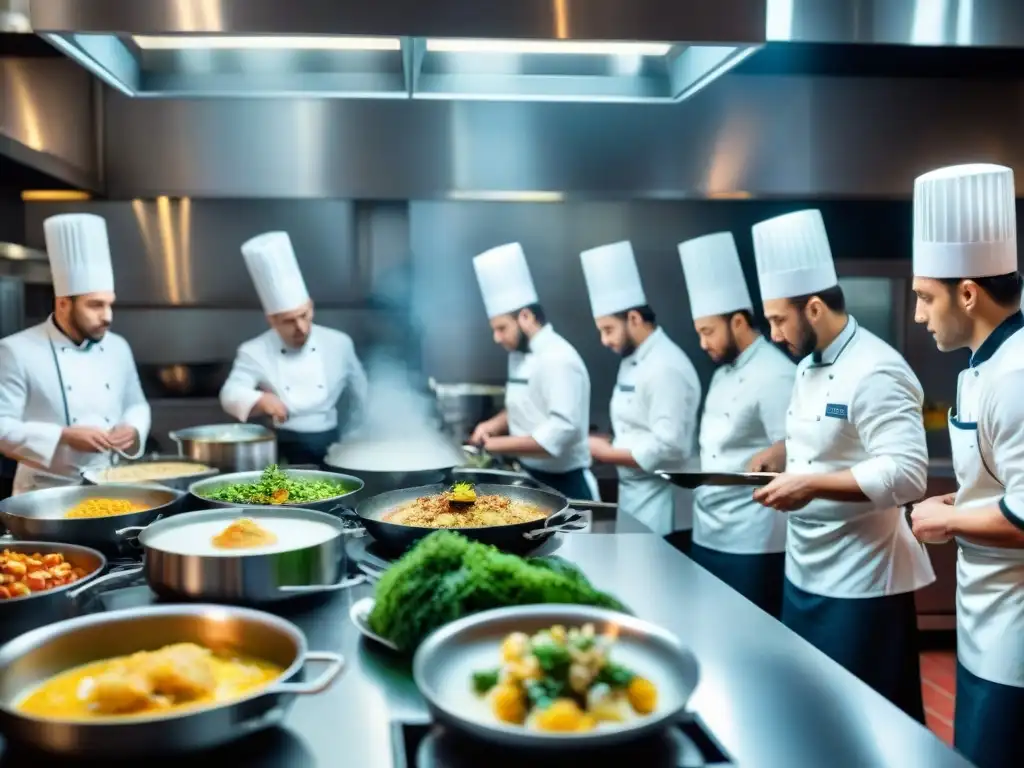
177,441
563,521
336,666
128,574
353,523
316,588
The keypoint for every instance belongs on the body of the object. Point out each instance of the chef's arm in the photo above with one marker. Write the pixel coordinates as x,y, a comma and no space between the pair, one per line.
562,388
136,413
240,392
34,441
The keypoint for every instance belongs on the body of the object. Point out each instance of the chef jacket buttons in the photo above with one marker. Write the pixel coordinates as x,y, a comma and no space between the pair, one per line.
830,377
320,386
283,350
818,418
107,385
68,387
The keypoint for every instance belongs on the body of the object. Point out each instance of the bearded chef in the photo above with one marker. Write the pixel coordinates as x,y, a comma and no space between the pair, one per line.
547,397
743,426
968,293
69,390
657,392
855,454
296,372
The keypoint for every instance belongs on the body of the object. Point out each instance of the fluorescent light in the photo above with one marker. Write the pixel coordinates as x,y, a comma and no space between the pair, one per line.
510,196
455,45
267,42
53,195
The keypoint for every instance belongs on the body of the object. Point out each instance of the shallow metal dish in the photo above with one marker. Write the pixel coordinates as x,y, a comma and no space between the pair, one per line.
332,504
444,664
697,479
39,515
179,482
21,614
39,655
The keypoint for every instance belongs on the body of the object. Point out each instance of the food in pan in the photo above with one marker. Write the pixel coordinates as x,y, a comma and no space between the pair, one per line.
461,507
445,576
175,677
24,574
244,533
563,680
151,470
104,508
277,487
199,538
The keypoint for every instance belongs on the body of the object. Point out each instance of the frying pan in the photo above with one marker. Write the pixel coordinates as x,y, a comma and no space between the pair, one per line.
518,538
697,479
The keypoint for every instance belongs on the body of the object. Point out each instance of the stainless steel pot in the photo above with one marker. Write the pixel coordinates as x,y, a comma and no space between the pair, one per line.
39,655
39,515
463,406
21,614
240,577
198,490
228,447
181,482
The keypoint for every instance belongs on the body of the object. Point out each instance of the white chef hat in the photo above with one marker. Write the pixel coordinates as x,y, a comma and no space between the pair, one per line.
793,256
275,272
79,254
965,222
504,279
613,280
714,277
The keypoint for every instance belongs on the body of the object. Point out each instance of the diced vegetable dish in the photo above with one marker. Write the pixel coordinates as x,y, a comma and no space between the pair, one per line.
23,574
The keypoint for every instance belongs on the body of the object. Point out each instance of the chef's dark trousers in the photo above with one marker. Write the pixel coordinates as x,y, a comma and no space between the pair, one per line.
681,540
572,485
875,638
304,447
757,577
987,724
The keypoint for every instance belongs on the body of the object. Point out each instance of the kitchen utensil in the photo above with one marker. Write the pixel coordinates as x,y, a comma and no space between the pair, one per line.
209,485
228,447
39,515
37,656
179,482
359,613
180,560
697,479
21,614
445,662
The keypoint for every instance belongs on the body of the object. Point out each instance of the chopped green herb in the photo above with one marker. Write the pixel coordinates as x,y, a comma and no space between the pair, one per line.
275,486
615,675
484,680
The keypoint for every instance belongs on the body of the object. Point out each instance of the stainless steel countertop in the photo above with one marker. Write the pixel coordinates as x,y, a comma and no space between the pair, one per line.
768,697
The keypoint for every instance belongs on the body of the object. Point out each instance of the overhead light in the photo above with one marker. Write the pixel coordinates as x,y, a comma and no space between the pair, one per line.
509,196
54,195
454,45
268,42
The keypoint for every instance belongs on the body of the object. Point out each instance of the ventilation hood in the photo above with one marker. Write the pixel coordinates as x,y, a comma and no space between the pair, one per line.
548,50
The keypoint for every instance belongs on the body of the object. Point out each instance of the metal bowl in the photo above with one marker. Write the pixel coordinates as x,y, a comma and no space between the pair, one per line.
445,661
329,505
39,515
180,482
21,614
39,655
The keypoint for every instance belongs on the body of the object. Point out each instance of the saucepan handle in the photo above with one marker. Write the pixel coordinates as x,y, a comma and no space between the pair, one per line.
127,575
353,523
563,521
586,504
335,666
345,583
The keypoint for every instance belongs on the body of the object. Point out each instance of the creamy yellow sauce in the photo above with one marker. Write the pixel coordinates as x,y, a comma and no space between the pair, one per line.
152,470
149,683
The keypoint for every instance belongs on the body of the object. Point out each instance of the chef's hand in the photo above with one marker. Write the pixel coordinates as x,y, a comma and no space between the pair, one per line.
599,447
483,431
86,439
270,405
786,492
930,519
123,437
771,459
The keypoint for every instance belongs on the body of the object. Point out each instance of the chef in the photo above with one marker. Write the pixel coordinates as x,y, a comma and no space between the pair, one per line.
296,372
855,455
743,427
69,390
657,392
968,293
547,397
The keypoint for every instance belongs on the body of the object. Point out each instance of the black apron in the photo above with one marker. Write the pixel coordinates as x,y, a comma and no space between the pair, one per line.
758,578
572,484
681,540
304,447
987,723
875,638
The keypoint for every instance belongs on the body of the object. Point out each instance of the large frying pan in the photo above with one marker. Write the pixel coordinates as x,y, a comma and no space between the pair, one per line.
518,539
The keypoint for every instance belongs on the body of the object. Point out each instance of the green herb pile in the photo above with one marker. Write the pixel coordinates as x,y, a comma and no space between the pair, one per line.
447,576
268,489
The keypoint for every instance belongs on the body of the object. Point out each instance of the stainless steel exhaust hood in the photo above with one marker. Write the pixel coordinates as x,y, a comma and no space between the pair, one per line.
550,50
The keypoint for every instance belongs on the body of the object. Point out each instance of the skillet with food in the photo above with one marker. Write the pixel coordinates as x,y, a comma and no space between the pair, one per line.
512,518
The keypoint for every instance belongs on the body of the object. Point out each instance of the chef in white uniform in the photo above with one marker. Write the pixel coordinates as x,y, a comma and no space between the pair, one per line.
968,293
855,455
657,393
69,389
743,426
547,397
296,372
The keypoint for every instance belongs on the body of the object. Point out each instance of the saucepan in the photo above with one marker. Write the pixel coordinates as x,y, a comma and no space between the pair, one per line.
172,471
350,485
37,656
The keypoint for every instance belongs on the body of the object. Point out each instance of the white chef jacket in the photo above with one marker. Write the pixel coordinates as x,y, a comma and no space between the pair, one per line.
309,381
857,406
547,397
654,416
745,413
988,457
47,382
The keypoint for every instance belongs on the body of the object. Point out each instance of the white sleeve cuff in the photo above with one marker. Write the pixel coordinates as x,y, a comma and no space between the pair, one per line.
1012,508
41,442
874,476
239,403
651,456
552,437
